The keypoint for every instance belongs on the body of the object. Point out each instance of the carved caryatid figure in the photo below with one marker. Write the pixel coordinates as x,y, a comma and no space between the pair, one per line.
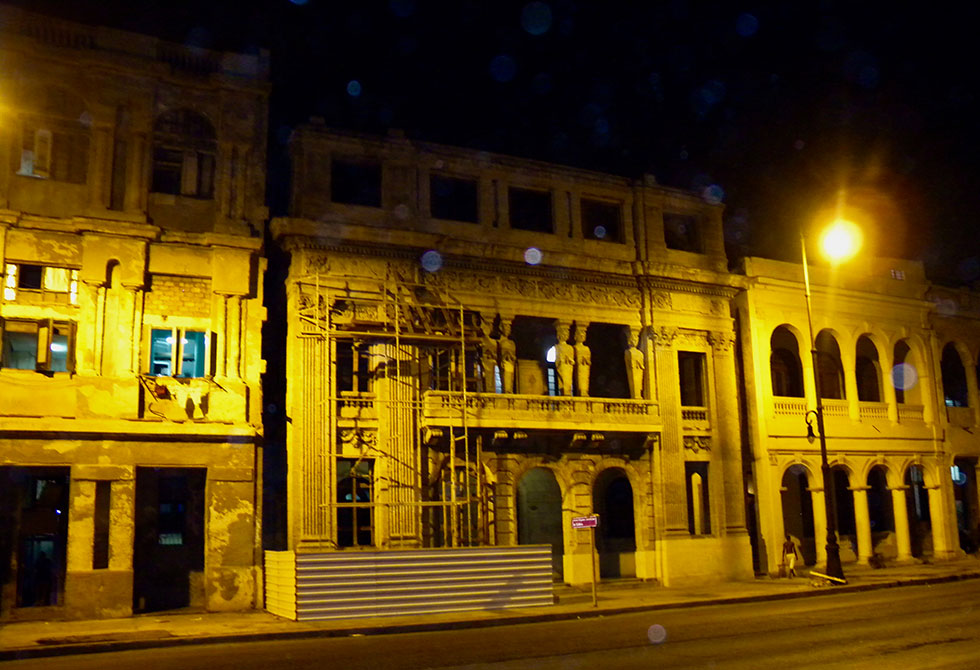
564,359
583,360
488,357
508,356
635,365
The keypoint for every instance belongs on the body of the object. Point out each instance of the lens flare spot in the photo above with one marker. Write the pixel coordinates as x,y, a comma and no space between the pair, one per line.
532,256
536,18
432,261
353,88
401,212
746,25
599,232
713,194
904,376
657,634
503,68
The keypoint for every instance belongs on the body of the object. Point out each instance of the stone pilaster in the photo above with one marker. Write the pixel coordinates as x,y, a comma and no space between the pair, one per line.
675,496
726,433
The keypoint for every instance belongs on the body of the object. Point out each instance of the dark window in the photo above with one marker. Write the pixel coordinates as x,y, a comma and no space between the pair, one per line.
184,150
355,183
454,199
55,150
682,232
829,367
172,517
355,515
954,378
530,210
100,540
45,345
784,364
690,366
30,276
602,220
698,507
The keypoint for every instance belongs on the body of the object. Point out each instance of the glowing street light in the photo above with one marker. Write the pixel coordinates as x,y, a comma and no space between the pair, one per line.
840,241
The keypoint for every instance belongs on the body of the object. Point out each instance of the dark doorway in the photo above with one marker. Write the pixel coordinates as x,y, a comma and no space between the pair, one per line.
798,512
168,548
539,514
917,505
880,511
964,476
844,506
34,533
612,499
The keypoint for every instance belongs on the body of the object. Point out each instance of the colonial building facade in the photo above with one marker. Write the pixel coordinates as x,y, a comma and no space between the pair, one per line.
132,180
898,370
481,348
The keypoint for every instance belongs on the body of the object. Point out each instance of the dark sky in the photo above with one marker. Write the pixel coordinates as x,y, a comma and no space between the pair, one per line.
782,109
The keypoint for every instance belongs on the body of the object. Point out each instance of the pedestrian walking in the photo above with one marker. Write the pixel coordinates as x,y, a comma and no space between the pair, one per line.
789,556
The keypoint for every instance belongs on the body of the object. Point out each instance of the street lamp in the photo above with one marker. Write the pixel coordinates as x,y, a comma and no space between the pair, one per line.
839,242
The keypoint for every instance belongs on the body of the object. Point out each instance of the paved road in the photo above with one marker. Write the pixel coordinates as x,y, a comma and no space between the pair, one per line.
908,628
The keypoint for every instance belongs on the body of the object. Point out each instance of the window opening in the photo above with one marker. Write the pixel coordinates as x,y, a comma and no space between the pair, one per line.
602,220
691,367
530,210
184,151
45,345
698,508
355,513
453,198
178,353
355,182
683,233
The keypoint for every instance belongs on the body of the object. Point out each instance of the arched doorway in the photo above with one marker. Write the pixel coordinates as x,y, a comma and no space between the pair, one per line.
917,505
963,474
881,514
612,500
798,512
539,514
844,505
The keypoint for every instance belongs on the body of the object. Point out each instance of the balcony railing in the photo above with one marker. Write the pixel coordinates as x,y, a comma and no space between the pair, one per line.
695,418
911,413
835,408
789,406
501,407
873,411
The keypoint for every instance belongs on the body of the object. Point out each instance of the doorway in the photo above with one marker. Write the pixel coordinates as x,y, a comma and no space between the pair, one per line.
539,514
168,549
612,499
798,512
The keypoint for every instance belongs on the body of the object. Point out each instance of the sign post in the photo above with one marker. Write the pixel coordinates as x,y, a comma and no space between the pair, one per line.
589,523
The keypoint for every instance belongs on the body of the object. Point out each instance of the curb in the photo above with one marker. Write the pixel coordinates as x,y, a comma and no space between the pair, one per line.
24,653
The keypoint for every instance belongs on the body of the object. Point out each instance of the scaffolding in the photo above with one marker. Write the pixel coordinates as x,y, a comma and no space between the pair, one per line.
370,349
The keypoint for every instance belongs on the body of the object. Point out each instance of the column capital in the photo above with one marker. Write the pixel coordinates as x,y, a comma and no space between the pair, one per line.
721,341
663,336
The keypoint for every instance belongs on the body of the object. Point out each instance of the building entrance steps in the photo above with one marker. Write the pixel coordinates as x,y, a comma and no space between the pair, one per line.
29,639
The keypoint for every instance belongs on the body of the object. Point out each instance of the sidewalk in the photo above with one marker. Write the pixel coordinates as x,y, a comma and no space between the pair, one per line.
31,639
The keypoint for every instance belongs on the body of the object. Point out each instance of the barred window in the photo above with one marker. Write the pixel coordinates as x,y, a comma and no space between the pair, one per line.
184,153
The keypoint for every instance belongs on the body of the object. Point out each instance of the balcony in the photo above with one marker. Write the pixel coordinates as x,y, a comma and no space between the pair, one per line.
873,411
488,410
695,419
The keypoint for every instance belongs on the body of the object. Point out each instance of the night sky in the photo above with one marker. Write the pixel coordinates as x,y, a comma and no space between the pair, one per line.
780,110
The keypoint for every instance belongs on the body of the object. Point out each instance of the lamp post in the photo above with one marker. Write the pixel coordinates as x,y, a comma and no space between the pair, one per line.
839,242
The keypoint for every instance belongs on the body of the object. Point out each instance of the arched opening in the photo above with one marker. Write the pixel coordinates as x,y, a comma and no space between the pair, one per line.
964,476
539,513
881,513
844,504
954,378
184,150
917,508
867,370
905,375
612,500
798,512
830,368
784,364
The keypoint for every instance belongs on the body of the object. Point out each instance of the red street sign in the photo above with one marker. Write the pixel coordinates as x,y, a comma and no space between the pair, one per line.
585,521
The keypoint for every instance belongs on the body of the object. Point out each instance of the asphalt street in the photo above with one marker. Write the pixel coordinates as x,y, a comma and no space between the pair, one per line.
909,627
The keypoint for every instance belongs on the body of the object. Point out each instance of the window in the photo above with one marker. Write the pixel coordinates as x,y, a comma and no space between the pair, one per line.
184,150
453,198
355,522
48,284
691,366
549,360
45,345
784,364
682,232
698,507
178,353
355,182
56,150
100,538
353,366
530,210
602,220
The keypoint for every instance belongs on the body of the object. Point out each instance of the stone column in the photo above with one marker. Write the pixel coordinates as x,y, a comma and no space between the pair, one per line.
862,523
887,388
101,159
137,173
727,434
903,540
675,492
848,362
819,524
233,336
219,325
88,332
583,359
937,519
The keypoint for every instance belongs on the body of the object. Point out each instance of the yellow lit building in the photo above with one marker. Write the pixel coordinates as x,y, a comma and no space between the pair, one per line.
132,177
898,374
481,348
